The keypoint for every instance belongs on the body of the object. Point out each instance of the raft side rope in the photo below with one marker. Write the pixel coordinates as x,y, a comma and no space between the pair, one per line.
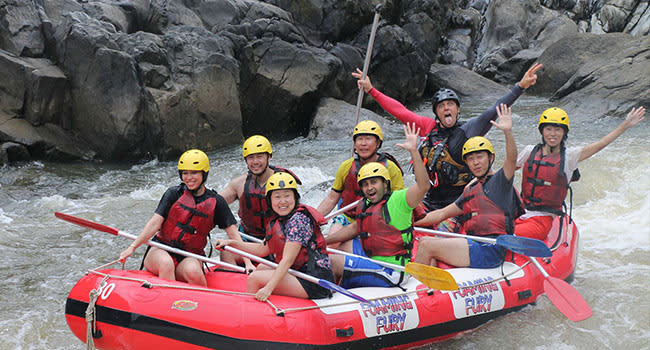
91,314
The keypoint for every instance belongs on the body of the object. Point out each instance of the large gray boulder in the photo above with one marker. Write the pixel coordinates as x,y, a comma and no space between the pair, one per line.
20,28
516,32
105,86
590,84
23,141
464,82
280,85
336,119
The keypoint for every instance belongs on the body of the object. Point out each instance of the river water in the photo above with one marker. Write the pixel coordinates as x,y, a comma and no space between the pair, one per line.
43,257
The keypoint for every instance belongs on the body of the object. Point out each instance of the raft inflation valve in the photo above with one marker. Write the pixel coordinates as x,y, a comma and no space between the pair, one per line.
345,332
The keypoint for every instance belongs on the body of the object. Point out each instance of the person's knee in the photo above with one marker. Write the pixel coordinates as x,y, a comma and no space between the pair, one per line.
254,282
191,272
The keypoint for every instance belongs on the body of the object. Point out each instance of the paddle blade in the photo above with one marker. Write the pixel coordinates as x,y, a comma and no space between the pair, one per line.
524,246
432,277
335,287
86,223
566,299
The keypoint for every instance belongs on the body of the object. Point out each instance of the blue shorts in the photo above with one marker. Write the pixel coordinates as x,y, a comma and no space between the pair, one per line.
485,255
359,272
341,219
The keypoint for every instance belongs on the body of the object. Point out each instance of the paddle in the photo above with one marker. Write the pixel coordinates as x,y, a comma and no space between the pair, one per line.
430,276
563,296
116,232
366,62
520,245
321,282
339,211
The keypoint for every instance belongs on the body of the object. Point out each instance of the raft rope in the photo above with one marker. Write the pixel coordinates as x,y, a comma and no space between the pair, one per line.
91,313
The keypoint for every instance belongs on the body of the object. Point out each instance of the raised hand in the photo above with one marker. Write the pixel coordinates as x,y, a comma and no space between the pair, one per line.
411,142
504,122
635,116
530,78
364,84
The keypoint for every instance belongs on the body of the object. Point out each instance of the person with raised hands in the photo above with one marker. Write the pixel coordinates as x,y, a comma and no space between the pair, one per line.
384,226
183,219
445,135
487,207
294,238
549,167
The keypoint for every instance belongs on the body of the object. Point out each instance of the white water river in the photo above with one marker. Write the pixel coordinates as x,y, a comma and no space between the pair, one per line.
43,257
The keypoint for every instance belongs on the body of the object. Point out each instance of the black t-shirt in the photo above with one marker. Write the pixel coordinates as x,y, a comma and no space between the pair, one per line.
500,191
222,215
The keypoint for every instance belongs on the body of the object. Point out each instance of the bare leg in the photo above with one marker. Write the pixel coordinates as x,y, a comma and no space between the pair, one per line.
160,263
230,258
338,260
453,251
289,285
190,270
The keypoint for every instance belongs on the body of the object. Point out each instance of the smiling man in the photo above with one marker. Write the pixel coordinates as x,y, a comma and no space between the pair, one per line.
250,189
487,207
384,226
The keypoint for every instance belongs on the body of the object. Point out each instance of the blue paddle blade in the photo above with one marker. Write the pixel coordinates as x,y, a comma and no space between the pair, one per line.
524,246
335,287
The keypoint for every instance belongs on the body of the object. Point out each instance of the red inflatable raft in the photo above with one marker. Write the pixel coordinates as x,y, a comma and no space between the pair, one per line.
135,310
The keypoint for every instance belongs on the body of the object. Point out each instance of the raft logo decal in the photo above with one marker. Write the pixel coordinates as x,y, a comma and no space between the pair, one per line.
185,305
389,315
477,297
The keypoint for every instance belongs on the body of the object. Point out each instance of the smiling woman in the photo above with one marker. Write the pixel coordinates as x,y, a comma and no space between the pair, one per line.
184,218
294,237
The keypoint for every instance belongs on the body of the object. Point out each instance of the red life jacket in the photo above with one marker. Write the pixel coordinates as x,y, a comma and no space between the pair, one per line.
252,204
351,191
275,237
188,224
544,185
481,216
378,238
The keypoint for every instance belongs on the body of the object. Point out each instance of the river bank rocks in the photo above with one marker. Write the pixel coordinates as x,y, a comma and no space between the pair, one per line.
133,79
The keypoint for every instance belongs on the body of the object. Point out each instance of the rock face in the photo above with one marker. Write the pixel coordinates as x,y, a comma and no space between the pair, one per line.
117,79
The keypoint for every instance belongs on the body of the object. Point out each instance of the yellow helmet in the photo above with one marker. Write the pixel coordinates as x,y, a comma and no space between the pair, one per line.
475,144
368,127
194,159
553,115
256,144
373,169
281,181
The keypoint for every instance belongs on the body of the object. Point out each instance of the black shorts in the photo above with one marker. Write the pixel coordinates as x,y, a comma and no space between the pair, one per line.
315,291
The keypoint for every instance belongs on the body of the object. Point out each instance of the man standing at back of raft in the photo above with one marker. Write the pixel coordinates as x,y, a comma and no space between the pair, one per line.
183,219
384,226
445,136
487,207
250,189
548,167
367,138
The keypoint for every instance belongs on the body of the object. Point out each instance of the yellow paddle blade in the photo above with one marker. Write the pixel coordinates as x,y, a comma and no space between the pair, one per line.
432,277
